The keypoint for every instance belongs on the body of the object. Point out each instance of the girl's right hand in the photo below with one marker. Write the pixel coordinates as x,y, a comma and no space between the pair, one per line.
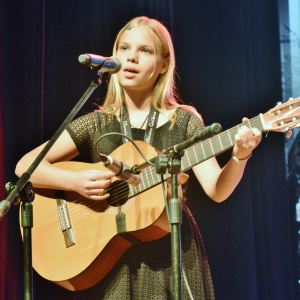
92,184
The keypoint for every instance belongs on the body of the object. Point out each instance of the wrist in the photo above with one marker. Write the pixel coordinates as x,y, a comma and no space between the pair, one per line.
240,160
70,181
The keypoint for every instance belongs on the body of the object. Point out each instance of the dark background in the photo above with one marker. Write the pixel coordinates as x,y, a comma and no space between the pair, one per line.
228,60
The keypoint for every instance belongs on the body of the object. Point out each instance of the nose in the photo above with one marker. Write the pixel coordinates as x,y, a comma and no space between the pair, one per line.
132,57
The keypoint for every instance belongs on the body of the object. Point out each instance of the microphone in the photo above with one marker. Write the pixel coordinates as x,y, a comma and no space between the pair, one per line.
121,170
207,132
111,64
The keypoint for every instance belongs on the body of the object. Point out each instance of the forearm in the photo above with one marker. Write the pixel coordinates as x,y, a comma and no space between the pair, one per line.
219,183
229,177
91,184
45,175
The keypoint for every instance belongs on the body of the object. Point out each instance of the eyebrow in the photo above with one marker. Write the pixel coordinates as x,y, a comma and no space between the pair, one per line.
140,46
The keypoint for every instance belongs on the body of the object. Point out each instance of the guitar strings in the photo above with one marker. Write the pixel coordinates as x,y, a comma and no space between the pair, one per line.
119,193
149,170
198,150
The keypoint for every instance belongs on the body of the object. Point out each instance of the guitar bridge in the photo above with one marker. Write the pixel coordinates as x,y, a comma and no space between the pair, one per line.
64,219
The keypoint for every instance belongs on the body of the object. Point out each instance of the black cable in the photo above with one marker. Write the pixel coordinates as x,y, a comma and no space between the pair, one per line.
134,144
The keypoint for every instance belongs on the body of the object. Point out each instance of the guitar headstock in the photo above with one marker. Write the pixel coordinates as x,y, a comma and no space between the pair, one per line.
284,116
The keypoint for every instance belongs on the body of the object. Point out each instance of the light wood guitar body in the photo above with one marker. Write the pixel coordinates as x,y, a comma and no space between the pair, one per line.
98,246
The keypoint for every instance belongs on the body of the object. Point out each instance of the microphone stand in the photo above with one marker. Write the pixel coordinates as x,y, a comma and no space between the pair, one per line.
173,164
171,160
23,190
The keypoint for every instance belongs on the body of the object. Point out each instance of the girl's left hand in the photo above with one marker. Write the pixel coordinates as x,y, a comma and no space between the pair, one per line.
246,140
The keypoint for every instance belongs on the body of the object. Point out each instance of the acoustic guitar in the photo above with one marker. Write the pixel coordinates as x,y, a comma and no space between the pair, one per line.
77,241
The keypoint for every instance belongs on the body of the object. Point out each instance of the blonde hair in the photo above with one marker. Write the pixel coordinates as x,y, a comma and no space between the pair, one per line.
164,96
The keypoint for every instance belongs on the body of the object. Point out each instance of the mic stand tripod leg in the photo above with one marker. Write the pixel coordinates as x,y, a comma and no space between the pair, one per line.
27,196
175,224
173,164
27,224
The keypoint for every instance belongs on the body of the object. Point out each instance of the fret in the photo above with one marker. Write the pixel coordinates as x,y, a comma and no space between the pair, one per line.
188,159
158,178
229,137
151,175
203,150
140,188
195,152
212,149
147,179
220,142
217,144
154,175
262,126
207,148
185,161
143,181
131,190
226,140
151,178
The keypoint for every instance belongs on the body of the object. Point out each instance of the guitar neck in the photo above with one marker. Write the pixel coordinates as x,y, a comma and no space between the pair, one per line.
206,149
196,154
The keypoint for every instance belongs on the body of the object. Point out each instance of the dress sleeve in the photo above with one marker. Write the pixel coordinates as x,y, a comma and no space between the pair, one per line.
83,130
195,125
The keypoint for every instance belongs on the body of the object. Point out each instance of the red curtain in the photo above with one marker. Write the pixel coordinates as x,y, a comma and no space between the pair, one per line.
8,289
3,224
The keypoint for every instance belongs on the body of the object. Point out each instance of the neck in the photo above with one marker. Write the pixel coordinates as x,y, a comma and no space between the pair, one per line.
138,100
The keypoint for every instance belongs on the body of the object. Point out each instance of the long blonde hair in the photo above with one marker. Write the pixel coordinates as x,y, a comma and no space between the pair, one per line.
164,96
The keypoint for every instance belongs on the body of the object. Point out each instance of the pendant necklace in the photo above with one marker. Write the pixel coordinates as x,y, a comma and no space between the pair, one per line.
142,124
150,128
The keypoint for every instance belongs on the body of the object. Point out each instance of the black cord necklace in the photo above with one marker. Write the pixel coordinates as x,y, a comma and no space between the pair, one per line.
150,128
142,124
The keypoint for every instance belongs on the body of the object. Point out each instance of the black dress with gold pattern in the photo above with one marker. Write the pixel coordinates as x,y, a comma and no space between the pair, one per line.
145,270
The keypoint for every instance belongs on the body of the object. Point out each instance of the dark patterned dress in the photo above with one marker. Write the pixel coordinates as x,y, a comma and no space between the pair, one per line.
145,270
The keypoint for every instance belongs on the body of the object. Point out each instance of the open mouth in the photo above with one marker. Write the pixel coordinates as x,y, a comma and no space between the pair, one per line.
131,70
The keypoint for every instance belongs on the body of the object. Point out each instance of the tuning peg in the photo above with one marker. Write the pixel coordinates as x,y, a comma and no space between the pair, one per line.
277,112
289,134
291,98
279,103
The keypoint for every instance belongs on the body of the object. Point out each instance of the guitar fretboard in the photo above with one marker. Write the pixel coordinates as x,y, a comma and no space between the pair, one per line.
196,154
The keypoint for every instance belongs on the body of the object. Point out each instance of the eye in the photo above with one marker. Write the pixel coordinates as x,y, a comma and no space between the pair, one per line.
123,48
147,51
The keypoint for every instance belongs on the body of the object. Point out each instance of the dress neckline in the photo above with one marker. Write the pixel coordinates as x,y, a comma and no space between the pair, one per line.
133,128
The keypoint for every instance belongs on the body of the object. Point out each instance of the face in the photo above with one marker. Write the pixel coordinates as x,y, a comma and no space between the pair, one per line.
141,60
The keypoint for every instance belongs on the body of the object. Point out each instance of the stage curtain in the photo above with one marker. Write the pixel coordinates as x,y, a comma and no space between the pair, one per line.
228,59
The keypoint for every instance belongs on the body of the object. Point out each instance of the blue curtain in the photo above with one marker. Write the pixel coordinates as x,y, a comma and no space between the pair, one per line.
228,59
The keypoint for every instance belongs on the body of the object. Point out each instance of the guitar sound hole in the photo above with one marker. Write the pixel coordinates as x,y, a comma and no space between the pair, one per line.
118,193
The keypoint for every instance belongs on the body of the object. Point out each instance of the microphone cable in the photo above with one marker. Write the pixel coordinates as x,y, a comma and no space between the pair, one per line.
163,188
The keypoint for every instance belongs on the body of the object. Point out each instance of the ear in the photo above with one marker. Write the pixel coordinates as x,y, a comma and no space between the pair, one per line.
165,66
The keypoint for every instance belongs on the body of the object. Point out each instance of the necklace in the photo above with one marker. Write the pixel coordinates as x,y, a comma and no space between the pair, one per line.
150,128
143,123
